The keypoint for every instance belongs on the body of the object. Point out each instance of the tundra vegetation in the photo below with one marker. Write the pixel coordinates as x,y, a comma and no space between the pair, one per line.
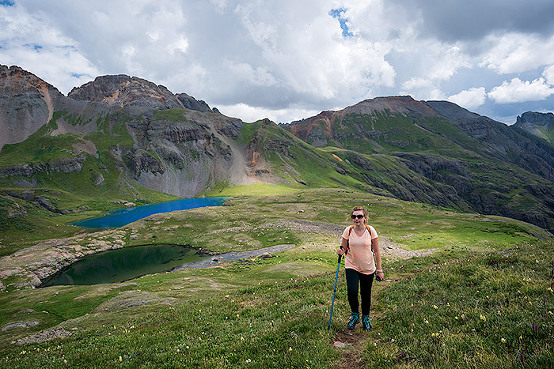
476,291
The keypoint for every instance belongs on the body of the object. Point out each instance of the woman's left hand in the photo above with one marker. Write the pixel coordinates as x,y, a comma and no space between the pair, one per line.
381,275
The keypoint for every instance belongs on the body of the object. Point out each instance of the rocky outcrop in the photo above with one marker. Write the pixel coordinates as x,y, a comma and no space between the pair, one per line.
124,91
30,266
538,124
538,119
62,165
133,92
409,185
440,169
26,104
191,103
182,156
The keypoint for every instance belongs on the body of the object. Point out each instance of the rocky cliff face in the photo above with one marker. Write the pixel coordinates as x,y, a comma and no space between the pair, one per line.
26,104
182,151
538,119
136,94
182,156
181,146
125,91
538,124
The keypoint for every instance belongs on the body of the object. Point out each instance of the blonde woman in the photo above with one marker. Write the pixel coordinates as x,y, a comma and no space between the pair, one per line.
360,243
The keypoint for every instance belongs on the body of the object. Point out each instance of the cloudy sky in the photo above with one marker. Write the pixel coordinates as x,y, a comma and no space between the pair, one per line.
291,59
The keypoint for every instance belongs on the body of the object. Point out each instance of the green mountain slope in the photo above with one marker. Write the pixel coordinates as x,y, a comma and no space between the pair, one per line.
439,153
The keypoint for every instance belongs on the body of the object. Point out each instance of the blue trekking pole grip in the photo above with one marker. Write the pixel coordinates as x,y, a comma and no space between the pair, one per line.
334,290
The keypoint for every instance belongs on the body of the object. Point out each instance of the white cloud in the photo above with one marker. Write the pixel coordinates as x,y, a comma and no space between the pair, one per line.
27,41
274,57
251,114
422,89
520,91
470,99
179,45
304,48
259,76
548,74
516,52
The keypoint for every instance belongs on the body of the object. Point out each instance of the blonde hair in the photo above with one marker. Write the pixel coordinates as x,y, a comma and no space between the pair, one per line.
360,208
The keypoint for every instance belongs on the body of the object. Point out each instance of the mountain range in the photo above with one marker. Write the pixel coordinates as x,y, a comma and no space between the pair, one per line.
121,137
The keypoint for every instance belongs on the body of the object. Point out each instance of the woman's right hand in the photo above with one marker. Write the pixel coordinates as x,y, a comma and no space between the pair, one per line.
340,251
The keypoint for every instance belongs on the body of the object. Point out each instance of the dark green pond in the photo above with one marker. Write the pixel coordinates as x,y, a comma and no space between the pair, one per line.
124,264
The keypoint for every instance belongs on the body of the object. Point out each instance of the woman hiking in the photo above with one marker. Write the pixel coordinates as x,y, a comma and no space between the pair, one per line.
360,243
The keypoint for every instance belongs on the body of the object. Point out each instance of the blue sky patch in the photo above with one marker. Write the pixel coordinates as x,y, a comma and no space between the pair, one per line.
36,47
338,14
7,2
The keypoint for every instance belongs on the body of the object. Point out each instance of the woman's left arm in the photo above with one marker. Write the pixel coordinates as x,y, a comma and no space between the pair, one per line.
377,253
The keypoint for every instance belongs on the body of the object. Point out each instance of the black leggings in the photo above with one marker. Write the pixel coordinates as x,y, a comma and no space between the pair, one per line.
364,281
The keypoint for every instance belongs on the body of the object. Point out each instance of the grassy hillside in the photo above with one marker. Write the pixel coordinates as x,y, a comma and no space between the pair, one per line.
482,299
431,159
296,163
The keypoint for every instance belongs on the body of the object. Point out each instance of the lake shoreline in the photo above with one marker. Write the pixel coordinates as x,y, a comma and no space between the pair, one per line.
235,256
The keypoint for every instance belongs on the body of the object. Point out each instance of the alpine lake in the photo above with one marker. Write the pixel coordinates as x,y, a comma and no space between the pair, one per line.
131,262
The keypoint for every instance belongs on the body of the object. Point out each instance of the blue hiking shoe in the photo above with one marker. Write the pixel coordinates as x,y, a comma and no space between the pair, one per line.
354,319
365,322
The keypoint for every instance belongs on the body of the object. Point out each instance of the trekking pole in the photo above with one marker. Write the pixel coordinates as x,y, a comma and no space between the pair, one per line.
335,290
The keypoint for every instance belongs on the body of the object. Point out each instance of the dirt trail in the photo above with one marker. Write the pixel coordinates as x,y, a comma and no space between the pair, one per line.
351,345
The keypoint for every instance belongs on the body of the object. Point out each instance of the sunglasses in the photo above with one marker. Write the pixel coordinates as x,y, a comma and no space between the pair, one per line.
359,216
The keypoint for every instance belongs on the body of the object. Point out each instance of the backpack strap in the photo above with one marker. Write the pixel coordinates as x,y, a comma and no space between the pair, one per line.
370,239
348,240
350,231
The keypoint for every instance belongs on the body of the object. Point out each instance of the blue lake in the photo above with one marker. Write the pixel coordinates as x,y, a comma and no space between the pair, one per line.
121,217
124,264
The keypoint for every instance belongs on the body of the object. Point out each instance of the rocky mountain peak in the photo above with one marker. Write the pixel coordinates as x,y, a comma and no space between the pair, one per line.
539,119
14,79
122,90
538,124
392,104
26,103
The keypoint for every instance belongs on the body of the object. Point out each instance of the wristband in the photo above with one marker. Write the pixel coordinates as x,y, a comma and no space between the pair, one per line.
379,270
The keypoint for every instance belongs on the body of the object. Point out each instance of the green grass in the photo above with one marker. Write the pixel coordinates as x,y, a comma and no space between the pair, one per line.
254,189
172,115
274,312
40,146
482,310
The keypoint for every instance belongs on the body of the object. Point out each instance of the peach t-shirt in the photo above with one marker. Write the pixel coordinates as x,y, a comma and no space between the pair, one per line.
360,254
